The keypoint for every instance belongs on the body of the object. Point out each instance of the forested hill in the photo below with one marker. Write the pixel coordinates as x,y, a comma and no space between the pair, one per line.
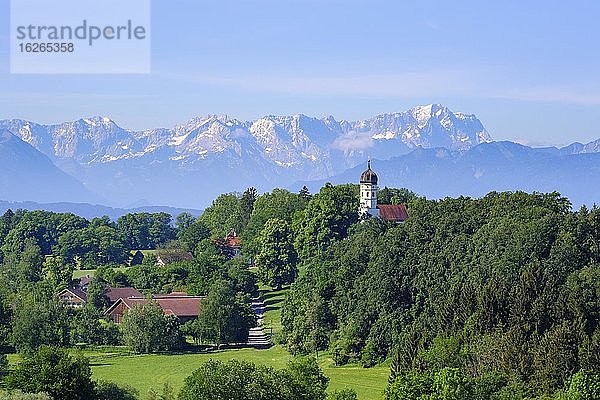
90,211
497,296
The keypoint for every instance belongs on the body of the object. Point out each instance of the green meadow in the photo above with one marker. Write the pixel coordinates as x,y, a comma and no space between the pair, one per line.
145,372
152,371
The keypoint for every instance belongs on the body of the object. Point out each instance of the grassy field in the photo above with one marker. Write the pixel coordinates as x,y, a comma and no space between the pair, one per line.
78,273
145,372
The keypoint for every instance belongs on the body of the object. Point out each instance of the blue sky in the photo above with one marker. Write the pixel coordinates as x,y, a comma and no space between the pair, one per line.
528,70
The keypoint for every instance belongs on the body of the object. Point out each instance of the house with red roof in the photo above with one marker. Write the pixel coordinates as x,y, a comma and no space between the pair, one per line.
73,298
117,293
181,305
76,297
393,212
231,245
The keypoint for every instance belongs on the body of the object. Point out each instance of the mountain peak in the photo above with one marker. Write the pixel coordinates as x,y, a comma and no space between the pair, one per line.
266,152
429,109
98,120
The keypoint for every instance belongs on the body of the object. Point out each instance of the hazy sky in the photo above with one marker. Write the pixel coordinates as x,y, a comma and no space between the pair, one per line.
527,69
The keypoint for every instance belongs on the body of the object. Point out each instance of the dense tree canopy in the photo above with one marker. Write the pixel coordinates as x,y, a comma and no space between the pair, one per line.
38,320
243,380
55,372
491,298
277,257
225,213
143,231
395,196
146,329
225,316
93,246
326,219
510,280
278,204
193,234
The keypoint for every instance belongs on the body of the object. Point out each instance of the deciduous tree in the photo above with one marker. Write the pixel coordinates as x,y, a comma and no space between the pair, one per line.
56,372
225,316
276,258
144,327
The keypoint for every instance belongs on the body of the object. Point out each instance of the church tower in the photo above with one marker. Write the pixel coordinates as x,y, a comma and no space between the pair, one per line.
368,192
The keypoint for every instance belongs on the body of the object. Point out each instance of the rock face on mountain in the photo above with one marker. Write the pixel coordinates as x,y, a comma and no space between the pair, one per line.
25,173
216,153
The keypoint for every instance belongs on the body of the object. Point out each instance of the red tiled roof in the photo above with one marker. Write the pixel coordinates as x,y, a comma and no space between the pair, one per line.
390,212
115,294
180,306
232,240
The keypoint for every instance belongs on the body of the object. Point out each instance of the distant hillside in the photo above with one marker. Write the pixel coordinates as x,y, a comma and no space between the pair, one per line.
90,211
497,166
26,173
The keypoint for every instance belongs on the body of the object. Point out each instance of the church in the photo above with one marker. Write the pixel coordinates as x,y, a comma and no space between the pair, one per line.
368,200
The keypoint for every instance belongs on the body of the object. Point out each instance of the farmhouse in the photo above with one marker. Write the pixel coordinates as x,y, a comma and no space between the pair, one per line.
76,297
231,245
179,304
368,200
115,294
73,298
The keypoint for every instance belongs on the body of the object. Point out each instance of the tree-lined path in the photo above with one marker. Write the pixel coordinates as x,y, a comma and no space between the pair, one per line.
257,337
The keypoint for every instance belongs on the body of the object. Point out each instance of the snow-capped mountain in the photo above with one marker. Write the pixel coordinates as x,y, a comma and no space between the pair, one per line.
579,148
429,149
289,142
217,153
427,126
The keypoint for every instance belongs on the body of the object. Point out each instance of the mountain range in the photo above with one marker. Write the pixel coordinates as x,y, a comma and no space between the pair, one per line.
189,164
494,166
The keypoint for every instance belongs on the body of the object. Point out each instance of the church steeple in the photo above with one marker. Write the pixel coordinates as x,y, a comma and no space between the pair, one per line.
368,176
368,192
